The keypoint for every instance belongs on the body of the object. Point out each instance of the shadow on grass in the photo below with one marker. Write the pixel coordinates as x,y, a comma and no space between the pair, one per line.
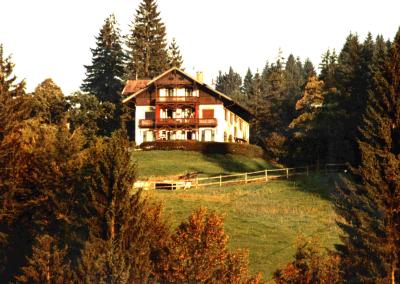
319,184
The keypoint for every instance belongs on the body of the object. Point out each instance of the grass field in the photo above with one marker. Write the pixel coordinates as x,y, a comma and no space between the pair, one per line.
267,219
164,163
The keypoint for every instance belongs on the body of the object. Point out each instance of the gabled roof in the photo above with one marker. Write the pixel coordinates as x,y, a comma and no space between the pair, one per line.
228,102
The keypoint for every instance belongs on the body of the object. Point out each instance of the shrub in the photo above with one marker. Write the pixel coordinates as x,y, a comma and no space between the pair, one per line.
205,147
310,265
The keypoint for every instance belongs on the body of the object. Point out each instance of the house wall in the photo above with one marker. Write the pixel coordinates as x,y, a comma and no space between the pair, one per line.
219,130
140,114
233,121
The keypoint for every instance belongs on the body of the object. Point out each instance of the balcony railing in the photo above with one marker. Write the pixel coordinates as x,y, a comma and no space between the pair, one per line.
200,122
146,123
175,99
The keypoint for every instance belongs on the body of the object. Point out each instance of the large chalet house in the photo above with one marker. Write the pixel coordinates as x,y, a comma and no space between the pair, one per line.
176,106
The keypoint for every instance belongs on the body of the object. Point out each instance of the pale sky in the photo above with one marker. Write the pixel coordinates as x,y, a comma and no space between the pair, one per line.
52,38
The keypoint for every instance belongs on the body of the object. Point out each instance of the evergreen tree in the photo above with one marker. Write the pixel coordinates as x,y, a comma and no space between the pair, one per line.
328,68
174,55
369,202
47,264
124,230
147,46
11,112
247,83
309,69
230,84
104,75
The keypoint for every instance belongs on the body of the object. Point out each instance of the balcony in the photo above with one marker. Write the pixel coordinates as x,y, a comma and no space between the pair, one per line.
175,99
176,122
207,122
146,123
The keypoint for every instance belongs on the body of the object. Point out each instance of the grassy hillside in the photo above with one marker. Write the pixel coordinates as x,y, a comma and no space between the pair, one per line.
164,163
268,219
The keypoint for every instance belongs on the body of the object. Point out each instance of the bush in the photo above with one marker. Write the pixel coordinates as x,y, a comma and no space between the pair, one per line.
205,147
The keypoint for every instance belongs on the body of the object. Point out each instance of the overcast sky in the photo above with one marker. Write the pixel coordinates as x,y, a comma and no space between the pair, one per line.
52,38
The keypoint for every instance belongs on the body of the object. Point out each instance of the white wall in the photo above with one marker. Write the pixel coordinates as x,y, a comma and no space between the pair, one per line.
220,116
140,114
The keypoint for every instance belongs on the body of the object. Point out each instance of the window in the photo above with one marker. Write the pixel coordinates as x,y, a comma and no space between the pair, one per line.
208,113
170,92
212,135
188,92
225,137
150,115
226,115
231,117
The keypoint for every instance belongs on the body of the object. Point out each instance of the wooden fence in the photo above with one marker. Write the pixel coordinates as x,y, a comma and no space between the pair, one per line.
244,178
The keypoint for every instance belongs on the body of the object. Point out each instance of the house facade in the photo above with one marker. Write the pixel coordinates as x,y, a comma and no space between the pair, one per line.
176,106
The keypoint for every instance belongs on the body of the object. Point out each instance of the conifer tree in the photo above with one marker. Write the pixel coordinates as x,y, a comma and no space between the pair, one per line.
147,45
47,264
247,83
309,69
230,84
124,230
370,202
104,75
174,55
11,112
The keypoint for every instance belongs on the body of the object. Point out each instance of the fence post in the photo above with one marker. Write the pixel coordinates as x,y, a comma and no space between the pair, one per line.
287,173
220,180
197,182
266,175
245,178
307,170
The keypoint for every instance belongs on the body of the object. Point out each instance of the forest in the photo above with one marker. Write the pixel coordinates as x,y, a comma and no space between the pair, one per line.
67,211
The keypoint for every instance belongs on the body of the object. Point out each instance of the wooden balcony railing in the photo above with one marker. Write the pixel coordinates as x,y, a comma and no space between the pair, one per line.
200,122
207,122
175,99
146,123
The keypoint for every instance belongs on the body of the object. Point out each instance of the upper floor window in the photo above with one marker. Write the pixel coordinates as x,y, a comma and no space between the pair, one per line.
170,92
188,92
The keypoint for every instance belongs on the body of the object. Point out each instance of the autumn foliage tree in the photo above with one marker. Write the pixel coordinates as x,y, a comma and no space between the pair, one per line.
198,253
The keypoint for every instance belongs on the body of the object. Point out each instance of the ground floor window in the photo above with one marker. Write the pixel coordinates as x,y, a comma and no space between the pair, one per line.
208,135
148,136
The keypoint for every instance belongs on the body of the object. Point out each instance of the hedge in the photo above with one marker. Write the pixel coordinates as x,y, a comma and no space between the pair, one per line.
204,147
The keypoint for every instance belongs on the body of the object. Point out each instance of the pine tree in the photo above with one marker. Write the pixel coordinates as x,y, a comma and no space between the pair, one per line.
125,231
309,69
104,75
147,45
247,83
11,112
369,202
48,264
174,55
230,84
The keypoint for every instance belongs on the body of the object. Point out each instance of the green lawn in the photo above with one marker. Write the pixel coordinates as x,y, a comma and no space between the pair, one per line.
165,163
268,219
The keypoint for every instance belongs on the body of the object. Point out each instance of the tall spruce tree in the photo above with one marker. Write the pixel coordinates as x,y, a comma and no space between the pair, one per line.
174,55
147,45
247,83
370,202
104,75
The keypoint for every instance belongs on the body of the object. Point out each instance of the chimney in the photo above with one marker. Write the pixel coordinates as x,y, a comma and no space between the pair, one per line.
200,76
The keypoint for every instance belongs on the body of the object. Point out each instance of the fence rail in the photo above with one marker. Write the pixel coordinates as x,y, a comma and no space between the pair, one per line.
241,178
